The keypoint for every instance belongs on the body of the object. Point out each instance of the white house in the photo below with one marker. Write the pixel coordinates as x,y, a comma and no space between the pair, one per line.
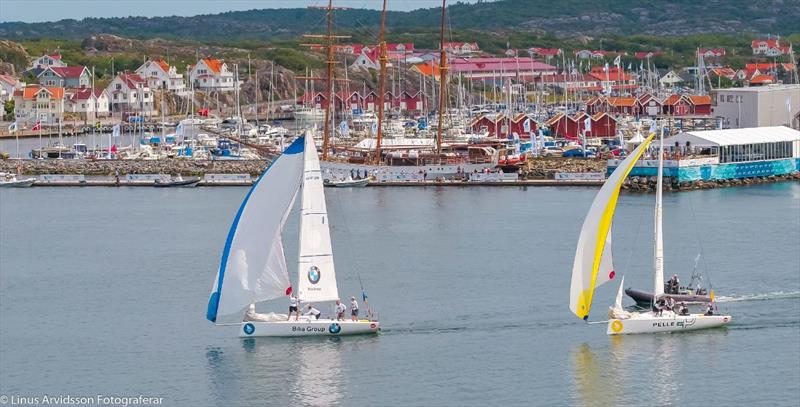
211,74
128,92
88,104
770,47
9,84
367,60
160,75
461,48
39,104
670,80
46,61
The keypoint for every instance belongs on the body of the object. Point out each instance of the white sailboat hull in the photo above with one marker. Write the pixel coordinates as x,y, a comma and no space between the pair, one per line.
648,323
22,183
317,327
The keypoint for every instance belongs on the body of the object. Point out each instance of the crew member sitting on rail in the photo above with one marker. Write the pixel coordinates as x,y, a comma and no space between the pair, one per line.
682,309
312,312
710,309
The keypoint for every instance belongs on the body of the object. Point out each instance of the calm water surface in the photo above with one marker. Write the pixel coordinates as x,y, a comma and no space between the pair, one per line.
104,290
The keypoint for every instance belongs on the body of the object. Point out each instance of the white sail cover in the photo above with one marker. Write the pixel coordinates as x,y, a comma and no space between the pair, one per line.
594,237
316,277
253,266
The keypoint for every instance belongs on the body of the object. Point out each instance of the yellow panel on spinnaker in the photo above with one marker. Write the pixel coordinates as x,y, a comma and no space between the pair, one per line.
594,232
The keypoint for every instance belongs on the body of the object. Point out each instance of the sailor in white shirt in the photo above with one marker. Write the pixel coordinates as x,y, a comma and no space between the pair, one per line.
294,303
340,308
353,309
313,312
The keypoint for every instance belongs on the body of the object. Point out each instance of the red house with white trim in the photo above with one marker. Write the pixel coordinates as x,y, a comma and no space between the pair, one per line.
563,126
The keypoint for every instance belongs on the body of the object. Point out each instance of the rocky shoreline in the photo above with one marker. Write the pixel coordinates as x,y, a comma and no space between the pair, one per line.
110,167
648,184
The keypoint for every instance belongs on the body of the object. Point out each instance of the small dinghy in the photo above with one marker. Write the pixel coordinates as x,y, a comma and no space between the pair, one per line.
9,180
177,182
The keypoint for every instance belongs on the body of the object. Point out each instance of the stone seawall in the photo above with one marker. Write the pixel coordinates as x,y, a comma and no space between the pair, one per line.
648,184
547,167
109,167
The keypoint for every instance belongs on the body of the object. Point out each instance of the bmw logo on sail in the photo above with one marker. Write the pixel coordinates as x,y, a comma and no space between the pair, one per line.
313,275
335,328
249,328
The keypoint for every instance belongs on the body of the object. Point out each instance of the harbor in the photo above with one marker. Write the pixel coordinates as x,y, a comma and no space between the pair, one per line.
505,202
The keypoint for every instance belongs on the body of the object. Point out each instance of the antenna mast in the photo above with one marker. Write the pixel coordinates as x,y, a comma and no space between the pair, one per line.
442,81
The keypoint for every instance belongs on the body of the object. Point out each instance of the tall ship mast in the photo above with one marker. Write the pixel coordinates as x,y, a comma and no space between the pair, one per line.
442,81
330,63
383,59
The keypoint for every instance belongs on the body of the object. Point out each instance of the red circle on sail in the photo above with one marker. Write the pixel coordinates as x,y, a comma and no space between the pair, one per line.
611,275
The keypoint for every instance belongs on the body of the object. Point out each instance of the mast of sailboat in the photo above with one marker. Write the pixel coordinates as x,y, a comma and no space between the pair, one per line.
383,58
659,239
442,81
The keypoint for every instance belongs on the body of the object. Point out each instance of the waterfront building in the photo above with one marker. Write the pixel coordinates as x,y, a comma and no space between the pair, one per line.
563,126
65,76
129,93
649,105
35,103
725,154
212,74
160,75
757,106
670,80
87,104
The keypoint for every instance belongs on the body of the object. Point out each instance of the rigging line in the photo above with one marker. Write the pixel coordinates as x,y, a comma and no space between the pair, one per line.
636,238
699,241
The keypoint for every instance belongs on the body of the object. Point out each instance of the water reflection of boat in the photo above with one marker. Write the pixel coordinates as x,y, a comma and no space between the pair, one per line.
595,385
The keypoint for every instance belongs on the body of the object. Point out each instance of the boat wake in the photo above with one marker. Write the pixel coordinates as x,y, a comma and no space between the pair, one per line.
777,295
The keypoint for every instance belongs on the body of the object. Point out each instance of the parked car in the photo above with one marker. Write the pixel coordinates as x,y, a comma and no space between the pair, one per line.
552,151
578,153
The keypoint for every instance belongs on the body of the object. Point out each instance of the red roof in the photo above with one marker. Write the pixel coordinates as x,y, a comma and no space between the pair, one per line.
497,64
771,43
711,51
647,54
29,92
68,71
621,102
163,64
131,80
545,51
215,65
83,93
55,56
700,100
673,99
761,79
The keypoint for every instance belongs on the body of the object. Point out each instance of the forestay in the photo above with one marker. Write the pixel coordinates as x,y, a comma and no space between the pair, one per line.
315,274
594,237
253,266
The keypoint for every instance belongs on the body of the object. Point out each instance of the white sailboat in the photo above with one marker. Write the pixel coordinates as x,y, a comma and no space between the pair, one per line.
253,267
593,263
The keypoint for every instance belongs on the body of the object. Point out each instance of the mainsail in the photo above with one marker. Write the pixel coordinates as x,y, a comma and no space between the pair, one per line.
253,267
316,277
595,235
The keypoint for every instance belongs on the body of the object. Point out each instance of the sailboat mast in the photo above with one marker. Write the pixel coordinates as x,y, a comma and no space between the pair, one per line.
659,239
329,83
381,83
442,81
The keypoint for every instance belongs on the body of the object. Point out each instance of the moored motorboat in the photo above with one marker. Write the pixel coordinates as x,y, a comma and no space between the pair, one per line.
9,180
176,182
348,183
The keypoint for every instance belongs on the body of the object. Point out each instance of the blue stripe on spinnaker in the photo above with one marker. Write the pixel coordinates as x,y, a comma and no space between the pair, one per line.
213,302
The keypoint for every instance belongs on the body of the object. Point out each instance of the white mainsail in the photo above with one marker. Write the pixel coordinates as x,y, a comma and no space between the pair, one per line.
316,277
595,234
253,266
659,238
